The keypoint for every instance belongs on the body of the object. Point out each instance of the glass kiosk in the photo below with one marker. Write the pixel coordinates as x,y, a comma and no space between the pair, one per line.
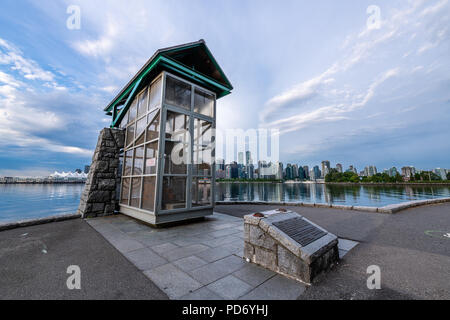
168,111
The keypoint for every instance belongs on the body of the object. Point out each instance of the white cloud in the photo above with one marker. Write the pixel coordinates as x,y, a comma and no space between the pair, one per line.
101,46
13,57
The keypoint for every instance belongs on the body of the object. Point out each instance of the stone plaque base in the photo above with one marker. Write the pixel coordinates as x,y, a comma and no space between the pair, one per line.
269,244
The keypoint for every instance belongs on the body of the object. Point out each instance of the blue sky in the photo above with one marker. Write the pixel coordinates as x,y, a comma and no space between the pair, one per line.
336,89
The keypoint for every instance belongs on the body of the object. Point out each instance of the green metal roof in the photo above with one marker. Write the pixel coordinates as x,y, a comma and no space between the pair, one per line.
193,61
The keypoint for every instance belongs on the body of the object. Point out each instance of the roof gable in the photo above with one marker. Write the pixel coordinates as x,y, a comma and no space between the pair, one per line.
191,59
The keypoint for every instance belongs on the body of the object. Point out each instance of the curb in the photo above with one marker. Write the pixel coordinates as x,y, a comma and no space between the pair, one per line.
392,208
33,222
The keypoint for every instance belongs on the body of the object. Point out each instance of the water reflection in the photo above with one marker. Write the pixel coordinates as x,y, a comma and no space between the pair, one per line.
321,193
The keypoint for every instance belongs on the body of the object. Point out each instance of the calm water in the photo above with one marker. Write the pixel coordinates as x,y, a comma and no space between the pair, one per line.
35,200
32,201
373,196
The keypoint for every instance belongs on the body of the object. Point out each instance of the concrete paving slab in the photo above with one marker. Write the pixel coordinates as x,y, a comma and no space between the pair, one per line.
202,294
190,263
276,288
125,244
145,259
220,241
214,254
229,287
254,275
346,245
180,253
224,232
174,282
218,269
164,247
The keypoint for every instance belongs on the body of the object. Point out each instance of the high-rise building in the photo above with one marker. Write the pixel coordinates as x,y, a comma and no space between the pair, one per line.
352,169
370,171
279,170
441,173
248,158
392,172
78,170
86,169
250,170
301,173
306,172
232,171
240,158
220,164
315,173
294,171
289,172
408,172
325,168
339,168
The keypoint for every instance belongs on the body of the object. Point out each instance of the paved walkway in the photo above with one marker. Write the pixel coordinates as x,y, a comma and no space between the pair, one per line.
34,262
199,261
410,247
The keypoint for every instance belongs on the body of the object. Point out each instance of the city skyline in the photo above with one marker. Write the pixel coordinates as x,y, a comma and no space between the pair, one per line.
279,170
357,92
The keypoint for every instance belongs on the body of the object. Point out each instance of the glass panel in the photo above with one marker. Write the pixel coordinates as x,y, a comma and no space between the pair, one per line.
140,127
176,157
124,121
148,193
128,162
177,126
138,161
202,132
135,192
174,193
204,103
143,100
153,128
130,134
151,158
203,144
201,192
202,161
125,190
132,111
178,93
155,95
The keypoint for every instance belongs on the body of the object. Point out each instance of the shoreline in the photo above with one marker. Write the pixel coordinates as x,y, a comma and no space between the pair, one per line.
47,182
390,184
388,209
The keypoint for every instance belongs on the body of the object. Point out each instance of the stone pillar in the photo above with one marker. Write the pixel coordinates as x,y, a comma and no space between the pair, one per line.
99,195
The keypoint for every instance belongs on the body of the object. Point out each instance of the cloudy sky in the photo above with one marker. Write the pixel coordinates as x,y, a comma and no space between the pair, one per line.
336,85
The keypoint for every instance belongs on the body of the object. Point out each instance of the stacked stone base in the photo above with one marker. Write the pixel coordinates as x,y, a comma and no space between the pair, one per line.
99,195
267,246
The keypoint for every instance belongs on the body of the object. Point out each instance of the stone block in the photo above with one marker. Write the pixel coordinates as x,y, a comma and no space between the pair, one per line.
99,196
265,258
249,251
290,264
107,184
258,237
